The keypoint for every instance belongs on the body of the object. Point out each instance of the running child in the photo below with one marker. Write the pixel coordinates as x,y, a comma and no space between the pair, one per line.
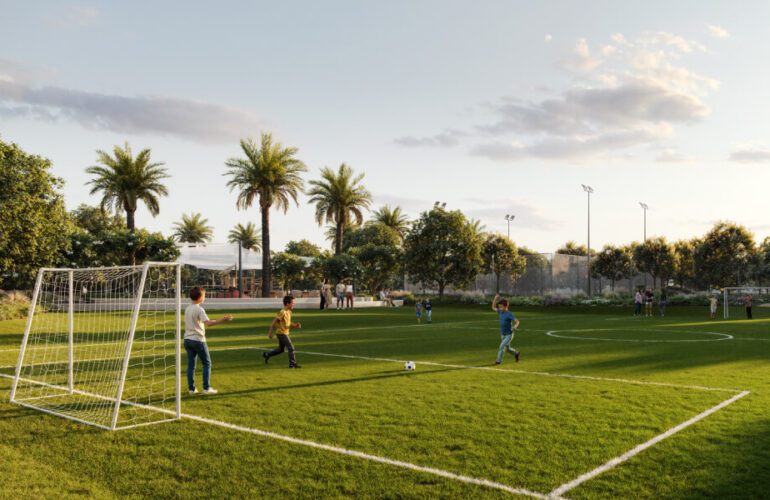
195,323
508,324
283,320
418,310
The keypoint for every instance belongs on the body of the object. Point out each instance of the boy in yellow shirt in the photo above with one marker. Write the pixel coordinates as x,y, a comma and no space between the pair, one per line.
283,320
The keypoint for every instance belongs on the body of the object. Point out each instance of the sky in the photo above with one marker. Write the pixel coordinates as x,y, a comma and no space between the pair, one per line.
493,107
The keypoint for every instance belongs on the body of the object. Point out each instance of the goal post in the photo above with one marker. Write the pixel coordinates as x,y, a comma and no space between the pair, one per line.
102,346
734,300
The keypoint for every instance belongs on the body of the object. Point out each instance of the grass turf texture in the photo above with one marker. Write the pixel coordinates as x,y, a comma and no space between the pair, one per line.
524,430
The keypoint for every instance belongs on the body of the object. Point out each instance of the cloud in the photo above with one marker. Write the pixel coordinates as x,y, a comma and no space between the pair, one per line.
746,153
670,155
187,119
445,139
628,94
491,212
75,17
717,31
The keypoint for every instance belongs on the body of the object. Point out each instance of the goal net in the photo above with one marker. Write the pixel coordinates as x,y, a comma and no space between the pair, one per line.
102,346
735,300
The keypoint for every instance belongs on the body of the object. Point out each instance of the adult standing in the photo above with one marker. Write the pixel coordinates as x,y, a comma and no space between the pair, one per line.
663,301
747,303
649,298
322,295
349,295
327,291
638,303
339,290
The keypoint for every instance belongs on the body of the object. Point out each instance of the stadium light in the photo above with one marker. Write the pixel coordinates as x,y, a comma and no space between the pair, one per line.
436,204
589,190
509,218
644,207
443,205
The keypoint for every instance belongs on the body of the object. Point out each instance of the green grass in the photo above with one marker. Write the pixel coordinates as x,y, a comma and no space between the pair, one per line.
514,425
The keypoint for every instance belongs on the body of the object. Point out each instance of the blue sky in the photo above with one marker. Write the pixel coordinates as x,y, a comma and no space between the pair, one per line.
493,107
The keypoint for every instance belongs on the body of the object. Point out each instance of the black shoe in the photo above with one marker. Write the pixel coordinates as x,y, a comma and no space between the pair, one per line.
264,355
517,356
295,365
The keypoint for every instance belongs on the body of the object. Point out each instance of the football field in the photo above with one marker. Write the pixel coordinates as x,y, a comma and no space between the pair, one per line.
601,405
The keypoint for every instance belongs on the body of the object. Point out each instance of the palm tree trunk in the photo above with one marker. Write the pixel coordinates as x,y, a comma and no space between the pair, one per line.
338,238
130,223
266,251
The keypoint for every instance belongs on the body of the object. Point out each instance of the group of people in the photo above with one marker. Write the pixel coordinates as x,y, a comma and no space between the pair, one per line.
342,291
747,302
386,298
646,297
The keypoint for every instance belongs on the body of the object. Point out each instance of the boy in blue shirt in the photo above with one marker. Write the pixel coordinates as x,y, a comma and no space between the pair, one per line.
418,310
428,309
508,323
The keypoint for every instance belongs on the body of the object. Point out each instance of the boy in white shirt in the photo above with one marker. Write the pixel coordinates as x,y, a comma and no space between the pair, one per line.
195,323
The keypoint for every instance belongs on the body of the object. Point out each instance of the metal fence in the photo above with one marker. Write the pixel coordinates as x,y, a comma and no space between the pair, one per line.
547,274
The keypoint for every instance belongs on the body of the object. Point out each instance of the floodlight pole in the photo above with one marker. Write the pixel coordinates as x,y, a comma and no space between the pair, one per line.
644,208
509,218
589,190
240,270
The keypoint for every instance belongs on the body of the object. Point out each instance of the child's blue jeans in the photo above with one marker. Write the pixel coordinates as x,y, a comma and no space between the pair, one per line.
427,313
505,346
195,348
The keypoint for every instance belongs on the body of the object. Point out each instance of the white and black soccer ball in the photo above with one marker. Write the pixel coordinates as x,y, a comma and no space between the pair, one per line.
409,366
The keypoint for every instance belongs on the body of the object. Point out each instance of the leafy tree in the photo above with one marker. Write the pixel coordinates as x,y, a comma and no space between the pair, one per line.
572,248
340,198
371,234
477,229
270,174
393,218
684,261
507,259
108,248
193,229
442,249
33,220
339,267
534,258
613,263
725,254
124,181
377,247
288,269
303,248
330,234
655,256
247,235
95,219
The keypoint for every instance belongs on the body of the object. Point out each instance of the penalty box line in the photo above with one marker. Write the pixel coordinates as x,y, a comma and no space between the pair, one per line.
352,453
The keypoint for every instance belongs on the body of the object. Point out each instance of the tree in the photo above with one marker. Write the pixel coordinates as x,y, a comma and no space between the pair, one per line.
572,248
684,261
724,255
339,267
270,174
340,198
613,263
371,234
95,219
655,256
442,249
124,181
377,248
506,258
287,269
108,248
193,229
534,259
33,220
303,248
248,236
330,233
393,218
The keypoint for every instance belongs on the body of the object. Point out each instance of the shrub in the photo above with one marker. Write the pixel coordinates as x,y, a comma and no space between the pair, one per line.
13,305
473,297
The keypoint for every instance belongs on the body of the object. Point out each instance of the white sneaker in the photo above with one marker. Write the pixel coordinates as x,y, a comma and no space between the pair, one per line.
210,390
194,391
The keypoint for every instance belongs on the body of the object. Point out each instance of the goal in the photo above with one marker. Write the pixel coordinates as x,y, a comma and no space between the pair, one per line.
102,345
734,301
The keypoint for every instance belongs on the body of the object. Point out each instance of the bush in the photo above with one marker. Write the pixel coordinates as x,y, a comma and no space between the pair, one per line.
407,297
13,305
474,297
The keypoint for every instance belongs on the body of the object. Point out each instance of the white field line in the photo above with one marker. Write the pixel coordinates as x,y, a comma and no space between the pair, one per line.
490,368
342,451
556,493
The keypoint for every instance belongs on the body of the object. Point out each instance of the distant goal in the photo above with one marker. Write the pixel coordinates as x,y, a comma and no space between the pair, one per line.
102,346
734,301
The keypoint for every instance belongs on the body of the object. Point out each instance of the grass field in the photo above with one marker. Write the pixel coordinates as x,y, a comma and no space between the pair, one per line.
601,405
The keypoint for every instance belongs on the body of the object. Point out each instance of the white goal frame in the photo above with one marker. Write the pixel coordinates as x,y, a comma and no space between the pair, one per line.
740,290
69,388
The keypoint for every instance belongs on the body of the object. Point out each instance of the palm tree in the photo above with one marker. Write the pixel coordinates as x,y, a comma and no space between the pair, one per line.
248,236
271,174
393,218
330,234
339,198
124,181
193,229
478,229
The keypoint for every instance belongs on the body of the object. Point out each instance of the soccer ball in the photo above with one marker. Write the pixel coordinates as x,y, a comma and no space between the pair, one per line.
409,366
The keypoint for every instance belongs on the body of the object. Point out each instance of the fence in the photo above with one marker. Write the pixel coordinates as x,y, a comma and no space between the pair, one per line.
547,273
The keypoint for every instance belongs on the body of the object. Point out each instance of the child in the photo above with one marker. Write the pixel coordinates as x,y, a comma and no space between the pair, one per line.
506,328
195,323
638,303
428,307
283,319
418,310
663,302
747,304
649,297
713,302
